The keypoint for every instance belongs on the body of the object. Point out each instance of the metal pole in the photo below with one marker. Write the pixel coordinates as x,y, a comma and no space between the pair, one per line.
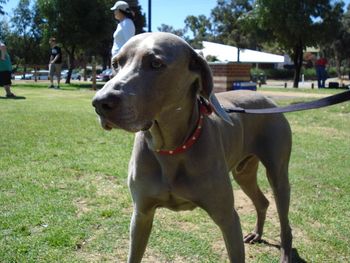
149,15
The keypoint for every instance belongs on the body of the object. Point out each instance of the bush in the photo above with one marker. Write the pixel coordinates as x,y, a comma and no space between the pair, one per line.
256,71
279,73
273,73
309,73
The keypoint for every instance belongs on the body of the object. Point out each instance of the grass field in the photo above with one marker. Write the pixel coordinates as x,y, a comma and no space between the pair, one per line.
64,198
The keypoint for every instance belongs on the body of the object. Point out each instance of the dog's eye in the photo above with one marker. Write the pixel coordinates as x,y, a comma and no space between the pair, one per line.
156,64
115,65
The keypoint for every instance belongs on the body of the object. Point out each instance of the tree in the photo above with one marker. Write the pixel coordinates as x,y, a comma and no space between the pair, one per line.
2,2
228,29
341,43
224,25
201,29
294,25
25,37
170,29
75,23
4,29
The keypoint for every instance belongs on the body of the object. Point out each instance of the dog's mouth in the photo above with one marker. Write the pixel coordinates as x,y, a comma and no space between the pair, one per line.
106,124
125,124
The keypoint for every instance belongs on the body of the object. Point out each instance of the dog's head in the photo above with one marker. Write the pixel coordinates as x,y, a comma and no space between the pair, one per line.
156,73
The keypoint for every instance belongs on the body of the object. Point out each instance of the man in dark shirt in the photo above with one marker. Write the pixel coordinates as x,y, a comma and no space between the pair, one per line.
55,63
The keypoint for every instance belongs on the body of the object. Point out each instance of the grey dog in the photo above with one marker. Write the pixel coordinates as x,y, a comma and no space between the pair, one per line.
186,144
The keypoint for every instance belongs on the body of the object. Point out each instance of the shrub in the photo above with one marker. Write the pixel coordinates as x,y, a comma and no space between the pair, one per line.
279,73
309,73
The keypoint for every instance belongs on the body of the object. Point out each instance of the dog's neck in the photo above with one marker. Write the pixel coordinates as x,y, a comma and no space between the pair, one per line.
173,127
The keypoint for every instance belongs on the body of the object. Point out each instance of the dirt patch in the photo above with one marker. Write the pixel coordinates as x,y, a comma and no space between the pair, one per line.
290,95
82,207
321,131
98,257
105,185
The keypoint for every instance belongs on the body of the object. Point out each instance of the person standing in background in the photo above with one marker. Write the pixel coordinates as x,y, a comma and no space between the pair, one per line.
5,71
125,29
55,63
321,72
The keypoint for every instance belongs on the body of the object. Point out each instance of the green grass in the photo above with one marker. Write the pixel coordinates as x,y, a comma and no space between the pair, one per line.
64,198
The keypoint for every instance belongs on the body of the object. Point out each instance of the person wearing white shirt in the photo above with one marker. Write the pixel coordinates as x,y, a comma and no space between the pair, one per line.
125,29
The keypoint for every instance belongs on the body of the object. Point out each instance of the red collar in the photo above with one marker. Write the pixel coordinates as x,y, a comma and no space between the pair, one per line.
204,109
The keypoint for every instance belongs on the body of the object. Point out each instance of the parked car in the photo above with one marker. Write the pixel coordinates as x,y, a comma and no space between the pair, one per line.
75,74
40,74
27,76
64,73
105,75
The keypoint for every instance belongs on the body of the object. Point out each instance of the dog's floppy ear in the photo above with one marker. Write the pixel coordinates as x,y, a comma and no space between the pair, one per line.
198,64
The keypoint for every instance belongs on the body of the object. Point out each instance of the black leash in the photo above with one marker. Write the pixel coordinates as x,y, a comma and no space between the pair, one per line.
327,101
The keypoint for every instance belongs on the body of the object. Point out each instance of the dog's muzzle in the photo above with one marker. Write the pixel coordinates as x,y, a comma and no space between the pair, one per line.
105,103
118,111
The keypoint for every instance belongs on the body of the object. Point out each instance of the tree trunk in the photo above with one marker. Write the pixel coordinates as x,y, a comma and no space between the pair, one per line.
94,87
70,64
338,65
298,63
24,71
85,73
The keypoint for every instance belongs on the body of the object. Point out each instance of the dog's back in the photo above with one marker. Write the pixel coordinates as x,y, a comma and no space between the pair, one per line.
268,136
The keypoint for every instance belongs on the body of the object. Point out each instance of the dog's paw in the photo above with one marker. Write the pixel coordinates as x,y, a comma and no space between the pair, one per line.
252,238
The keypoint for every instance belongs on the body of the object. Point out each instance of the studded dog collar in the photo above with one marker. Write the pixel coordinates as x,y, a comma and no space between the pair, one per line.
204,109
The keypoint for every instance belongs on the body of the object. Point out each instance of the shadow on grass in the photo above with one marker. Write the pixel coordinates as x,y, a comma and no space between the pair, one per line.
13,98
64,86
295,255
86,85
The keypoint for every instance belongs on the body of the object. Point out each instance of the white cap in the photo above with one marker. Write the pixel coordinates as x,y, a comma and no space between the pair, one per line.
121,5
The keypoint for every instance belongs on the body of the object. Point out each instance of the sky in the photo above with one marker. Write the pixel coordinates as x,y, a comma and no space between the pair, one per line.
170,12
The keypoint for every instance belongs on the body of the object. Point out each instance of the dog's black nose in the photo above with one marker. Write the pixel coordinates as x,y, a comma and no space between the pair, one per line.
105,103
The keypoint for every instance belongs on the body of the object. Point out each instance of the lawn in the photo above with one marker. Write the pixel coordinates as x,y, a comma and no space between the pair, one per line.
64,197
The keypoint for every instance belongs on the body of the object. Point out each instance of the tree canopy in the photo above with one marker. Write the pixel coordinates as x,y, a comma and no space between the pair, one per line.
340,46
81,25
24,26
226,18
2,2
295,25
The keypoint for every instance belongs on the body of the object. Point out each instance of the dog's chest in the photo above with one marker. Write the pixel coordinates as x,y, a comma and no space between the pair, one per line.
177,203
175,186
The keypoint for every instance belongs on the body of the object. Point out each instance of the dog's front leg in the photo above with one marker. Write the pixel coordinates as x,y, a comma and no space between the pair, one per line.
140,229
220,206
231,230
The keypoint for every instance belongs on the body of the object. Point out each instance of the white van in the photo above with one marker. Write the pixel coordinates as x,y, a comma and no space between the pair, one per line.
41,74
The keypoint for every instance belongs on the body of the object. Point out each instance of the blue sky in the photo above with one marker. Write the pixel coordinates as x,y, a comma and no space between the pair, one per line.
170,12
173,13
